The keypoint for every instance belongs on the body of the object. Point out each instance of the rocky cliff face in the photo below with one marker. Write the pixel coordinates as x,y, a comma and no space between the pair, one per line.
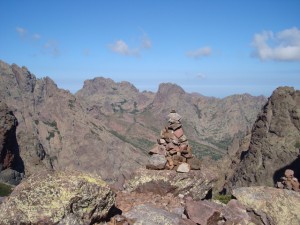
11,164
210,123
274,142
55,132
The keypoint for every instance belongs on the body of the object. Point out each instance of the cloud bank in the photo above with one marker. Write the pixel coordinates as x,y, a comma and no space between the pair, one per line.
200,52
281,46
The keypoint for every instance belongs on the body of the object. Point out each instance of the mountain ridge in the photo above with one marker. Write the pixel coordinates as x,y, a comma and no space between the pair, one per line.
108,127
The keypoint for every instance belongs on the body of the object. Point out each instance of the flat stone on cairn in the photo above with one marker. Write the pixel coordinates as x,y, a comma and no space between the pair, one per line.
174,146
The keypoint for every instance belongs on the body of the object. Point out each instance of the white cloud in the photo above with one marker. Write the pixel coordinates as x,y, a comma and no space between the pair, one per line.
52,48
282,46
122,48
201,52
36,37
21,31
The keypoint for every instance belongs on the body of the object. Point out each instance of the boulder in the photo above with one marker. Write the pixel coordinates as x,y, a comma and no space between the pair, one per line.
278,206
202,213
196,183
58,198
150,215
194,163
11,176
157,162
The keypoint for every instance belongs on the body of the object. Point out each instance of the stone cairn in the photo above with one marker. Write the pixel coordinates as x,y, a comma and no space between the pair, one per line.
289,181
173,151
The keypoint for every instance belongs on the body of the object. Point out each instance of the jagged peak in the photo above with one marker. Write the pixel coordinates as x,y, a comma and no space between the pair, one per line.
170,88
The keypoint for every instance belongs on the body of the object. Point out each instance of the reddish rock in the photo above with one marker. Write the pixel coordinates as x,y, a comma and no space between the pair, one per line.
196,183
202,213
161,150
194,163
178,133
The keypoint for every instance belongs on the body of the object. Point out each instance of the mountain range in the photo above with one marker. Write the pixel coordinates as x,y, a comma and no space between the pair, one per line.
108,127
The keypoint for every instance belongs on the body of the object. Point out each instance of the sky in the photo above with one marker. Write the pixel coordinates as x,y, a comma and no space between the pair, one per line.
214,47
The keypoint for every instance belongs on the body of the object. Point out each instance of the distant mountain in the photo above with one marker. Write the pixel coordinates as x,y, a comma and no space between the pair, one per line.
137,117
55,132
108,127
275,142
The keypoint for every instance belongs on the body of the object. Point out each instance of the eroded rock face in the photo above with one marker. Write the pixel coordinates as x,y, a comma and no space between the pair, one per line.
11,164
53,197
196,183
55,132
275,206
272,149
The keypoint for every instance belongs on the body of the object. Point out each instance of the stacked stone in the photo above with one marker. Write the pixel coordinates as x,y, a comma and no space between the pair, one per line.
289,181
173,151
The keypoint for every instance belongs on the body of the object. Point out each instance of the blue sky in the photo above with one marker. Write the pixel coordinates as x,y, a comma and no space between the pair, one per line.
216,48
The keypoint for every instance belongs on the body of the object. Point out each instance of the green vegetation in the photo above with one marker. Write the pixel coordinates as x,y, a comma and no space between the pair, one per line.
5,189
200,151
143,143
139,143
36,122
72,103
97,127
223,198
51,135
198,111
223,144
135,110
51,124
297,144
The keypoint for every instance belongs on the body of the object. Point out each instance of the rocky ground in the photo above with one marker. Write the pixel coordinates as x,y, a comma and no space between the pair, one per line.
70,197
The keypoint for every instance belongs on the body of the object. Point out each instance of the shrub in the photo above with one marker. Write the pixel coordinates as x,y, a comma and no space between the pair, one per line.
223,198
5,189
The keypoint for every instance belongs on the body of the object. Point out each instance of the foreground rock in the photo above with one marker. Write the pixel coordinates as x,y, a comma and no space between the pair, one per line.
275,206
196,183
150,215
60,197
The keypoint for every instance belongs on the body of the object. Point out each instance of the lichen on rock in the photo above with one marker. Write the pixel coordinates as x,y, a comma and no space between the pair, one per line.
50,197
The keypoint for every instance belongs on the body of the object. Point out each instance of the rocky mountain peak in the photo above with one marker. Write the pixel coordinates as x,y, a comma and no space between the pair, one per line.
169,89
274,141
102,85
